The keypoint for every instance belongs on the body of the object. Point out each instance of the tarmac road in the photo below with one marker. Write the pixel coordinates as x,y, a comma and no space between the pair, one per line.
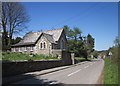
87,73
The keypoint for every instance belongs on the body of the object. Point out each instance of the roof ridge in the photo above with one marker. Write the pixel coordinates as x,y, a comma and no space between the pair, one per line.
55,29
47,30
47,33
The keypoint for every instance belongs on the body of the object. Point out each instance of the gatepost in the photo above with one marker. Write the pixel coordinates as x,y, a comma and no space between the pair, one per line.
66,58
73,58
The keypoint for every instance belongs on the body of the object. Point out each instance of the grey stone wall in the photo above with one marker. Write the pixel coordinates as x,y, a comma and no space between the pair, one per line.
14,68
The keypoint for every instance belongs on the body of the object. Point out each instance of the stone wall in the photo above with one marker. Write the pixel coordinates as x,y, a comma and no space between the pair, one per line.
14,68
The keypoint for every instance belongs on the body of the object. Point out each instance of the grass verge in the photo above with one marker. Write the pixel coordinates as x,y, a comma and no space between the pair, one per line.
12,56
110,72
81,59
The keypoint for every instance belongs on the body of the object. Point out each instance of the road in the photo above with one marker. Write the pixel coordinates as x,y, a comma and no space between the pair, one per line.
87,73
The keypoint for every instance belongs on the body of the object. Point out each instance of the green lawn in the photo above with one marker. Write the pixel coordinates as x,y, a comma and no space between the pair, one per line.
110,72
82,59
11,56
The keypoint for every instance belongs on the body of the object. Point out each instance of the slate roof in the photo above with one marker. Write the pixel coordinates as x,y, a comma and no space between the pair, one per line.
22,44
31,37
49,38
56,33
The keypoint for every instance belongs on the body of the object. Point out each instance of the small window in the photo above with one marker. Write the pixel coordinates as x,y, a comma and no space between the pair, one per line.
19,49
44,45
25,49
31,48
13,49
40,45
16,49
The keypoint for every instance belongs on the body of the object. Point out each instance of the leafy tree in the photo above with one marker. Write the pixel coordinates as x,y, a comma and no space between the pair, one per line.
95,54
66,29
76,33
72,34
117,41
115,50
75,42
14,18
90,44
16,40
82,50
82,46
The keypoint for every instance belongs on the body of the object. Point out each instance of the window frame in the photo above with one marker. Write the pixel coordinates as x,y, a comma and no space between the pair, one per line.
41,45
25,48
44,45
31,48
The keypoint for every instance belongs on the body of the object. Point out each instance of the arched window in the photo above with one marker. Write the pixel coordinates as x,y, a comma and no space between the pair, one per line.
44,45
40,45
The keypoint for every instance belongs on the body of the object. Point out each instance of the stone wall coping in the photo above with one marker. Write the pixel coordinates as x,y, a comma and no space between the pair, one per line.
29,61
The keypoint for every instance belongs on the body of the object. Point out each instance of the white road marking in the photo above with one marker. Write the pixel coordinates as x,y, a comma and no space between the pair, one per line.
91,64
86,66
53,83
83,62
74,72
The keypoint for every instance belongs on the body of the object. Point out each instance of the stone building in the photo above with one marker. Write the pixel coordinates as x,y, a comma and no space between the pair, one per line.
50,42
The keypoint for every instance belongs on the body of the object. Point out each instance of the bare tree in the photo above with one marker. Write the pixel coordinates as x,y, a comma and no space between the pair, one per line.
14,18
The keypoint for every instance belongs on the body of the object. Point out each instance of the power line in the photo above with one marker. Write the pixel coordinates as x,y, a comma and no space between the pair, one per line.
73,17
87,11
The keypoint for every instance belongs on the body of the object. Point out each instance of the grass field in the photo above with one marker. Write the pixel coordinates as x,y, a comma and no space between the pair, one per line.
110,72
82,59
11,56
